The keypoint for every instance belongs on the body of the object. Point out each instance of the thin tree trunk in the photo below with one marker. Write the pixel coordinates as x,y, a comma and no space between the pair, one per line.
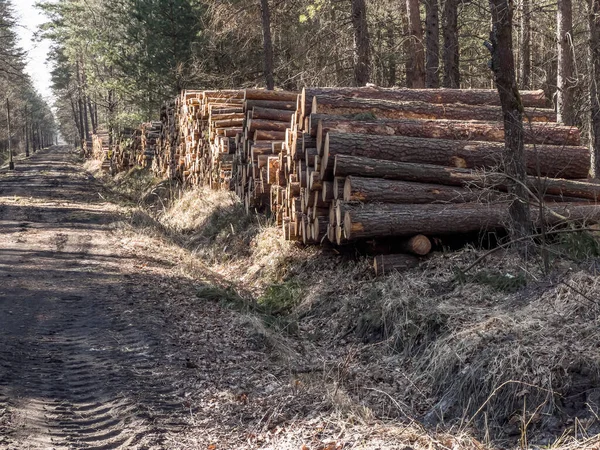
92,116
594,52
391,59
267,44
415,77
564,78
525,46
432,27
451,49
362,45
503,66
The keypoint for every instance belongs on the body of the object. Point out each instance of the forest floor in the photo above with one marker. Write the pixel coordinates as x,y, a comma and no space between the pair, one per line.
119,330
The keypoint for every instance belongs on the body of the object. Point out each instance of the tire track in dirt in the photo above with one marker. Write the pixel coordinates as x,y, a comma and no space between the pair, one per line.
77,370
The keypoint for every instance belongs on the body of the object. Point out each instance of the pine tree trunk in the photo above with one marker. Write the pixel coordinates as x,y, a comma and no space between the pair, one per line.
432,30
595,82
267,44
362,52
451,49
564,78
415,76
503,66
525,46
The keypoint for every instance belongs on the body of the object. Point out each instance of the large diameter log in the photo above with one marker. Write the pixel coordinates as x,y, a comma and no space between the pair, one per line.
535,133
386,264
377,220
347,165
535,99
554,161
271,114
419,110
263,94
371,190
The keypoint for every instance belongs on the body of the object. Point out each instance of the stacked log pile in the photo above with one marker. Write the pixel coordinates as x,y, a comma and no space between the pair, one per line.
353,164
100,149
370,163
197,141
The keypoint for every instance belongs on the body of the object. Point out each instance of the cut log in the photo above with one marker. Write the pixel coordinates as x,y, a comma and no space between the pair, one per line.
418,110
271,114
377,220
535,133
565,162
346,165
386,264
264,135
270,104
263,94
531,99
378,190
417,245
327,193
266,125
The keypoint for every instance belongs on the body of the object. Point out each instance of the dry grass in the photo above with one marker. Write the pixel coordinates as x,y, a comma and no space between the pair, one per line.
509,354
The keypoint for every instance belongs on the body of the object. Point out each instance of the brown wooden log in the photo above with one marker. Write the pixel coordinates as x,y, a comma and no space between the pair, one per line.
264,135
377,220
310,155
554,161
228,123
534,99
346,165
378,190
387,264
271,114
264,94
315,183
419,245
320,227
419,110
535,133
270,104
327,193
266,125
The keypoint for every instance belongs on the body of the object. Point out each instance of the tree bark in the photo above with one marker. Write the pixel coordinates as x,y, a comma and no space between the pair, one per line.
432,39
567,162
564,79
594,50
379,190
525,45
362,51
451,48
267,44
546,133
417,110
348,166
378,220
415,76
515,159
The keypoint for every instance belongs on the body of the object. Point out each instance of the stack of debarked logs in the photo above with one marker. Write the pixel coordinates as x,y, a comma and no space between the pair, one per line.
350,164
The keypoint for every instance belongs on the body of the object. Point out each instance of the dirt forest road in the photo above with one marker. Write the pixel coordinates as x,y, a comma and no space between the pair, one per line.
102,344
